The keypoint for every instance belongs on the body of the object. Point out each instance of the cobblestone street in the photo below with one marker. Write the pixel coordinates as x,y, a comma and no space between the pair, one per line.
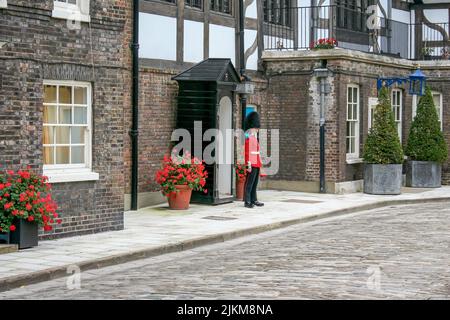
398,252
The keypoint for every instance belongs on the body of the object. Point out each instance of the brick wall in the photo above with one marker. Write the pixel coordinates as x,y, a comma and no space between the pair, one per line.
157,115
43,48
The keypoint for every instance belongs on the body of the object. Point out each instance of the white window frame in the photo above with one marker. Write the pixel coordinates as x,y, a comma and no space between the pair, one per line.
372,105
74,172
398,122
3,3
75,12
415,101
353,157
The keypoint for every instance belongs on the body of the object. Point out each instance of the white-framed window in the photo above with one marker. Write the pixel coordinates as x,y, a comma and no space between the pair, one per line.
67,131
3,3
397,108
352,122
437,98
373,102
76,10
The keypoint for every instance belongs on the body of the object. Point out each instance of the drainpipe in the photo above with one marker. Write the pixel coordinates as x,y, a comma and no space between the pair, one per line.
134,132
322,73
243,96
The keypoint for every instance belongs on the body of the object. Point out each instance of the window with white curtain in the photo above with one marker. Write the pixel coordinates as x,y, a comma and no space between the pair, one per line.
67,127
352,122
3,3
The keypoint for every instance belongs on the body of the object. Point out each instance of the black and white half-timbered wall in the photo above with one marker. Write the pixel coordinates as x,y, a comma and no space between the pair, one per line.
375,38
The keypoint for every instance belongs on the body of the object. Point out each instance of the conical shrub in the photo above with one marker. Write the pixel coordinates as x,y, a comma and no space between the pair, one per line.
426,141
383,144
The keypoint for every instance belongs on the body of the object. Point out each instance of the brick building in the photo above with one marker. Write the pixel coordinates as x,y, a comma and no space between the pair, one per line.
64,88
176,34
66,83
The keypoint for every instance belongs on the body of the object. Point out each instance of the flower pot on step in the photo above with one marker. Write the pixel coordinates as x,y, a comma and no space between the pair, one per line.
181,199
25,235
240,186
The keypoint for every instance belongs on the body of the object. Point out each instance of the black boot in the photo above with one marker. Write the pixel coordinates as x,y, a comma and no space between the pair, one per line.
249,205
258,204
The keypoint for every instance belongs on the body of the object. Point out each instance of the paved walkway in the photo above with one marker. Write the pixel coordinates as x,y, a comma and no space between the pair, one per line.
396,252
157,230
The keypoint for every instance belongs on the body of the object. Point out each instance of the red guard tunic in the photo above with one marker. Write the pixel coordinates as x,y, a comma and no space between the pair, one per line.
252,152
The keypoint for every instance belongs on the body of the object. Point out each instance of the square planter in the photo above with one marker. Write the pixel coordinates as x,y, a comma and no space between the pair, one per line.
383,179
423,174
4,237
25,235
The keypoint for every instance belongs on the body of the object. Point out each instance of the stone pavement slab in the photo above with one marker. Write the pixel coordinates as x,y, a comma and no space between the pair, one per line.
157,230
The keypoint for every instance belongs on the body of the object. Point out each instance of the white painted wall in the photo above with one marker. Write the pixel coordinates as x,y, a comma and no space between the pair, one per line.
250,37
193,41
436,15
221,42
303,3
157,37
252,11
401,16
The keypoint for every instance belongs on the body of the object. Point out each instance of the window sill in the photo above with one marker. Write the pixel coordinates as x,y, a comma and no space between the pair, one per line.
3,3
72,15
62,177
355,161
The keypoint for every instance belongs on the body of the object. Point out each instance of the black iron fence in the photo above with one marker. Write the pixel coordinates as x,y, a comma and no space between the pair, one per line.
302,28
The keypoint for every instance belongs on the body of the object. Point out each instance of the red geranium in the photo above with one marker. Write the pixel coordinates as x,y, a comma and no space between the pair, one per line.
241,171
184,170
25,195
324,43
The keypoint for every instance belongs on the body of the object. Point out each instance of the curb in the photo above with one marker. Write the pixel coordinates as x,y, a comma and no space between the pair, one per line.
61,271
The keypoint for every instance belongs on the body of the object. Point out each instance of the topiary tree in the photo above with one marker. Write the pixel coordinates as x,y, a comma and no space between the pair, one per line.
383,144
426,141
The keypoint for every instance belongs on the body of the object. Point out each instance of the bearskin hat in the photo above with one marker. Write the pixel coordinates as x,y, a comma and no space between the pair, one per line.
252,121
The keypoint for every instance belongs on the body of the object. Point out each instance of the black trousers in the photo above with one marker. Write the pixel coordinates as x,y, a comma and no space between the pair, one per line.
250,186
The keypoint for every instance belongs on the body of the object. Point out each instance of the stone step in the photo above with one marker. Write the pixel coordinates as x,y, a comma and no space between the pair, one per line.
7,248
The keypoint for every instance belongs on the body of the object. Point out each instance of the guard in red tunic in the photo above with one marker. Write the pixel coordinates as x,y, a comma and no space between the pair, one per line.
252,160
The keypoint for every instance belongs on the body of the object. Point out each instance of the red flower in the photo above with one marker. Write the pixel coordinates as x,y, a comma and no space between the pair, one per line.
7,206
30,218
28,207
12,228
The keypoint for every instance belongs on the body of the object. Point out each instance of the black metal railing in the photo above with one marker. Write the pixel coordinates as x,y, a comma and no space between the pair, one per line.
300,28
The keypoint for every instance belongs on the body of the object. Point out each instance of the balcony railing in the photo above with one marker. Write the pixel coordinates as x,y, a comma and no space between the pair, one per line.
297,28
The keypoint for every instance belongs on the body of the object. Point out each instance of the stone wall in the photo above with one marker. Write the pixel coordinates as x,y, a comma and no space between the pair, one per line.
43,48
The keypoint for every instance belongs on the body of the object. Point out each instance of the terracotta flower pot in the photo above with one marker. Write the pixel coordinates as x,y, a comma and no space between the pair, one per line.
240,186
180,200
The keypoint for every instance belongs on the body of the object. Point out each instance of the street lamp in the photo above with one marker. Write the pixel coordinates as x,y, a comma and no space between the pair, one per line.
417,81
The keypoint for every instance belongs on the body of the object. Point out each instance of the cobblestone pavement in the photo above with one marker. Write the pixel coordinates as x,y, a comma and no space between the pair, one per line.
399,252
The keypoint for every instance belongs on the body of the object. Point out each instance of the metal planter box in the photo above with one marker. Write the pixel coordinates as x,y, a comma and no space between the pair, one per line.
4,237
25,235
383,179
423,174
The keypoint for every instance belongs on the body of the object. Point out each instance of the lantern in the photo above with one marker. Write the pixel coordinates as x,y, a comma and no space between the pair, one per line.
417,83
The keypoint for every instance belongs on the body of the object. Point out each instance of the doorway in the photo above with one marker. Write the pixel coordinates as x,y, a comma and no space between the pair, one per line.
225,152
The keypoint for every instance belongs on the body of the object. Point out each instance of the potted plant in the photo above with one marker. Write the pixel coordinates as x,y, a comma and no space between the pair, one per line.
426,148
383,153
324,43
427,52
241,174
178,177
25,204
